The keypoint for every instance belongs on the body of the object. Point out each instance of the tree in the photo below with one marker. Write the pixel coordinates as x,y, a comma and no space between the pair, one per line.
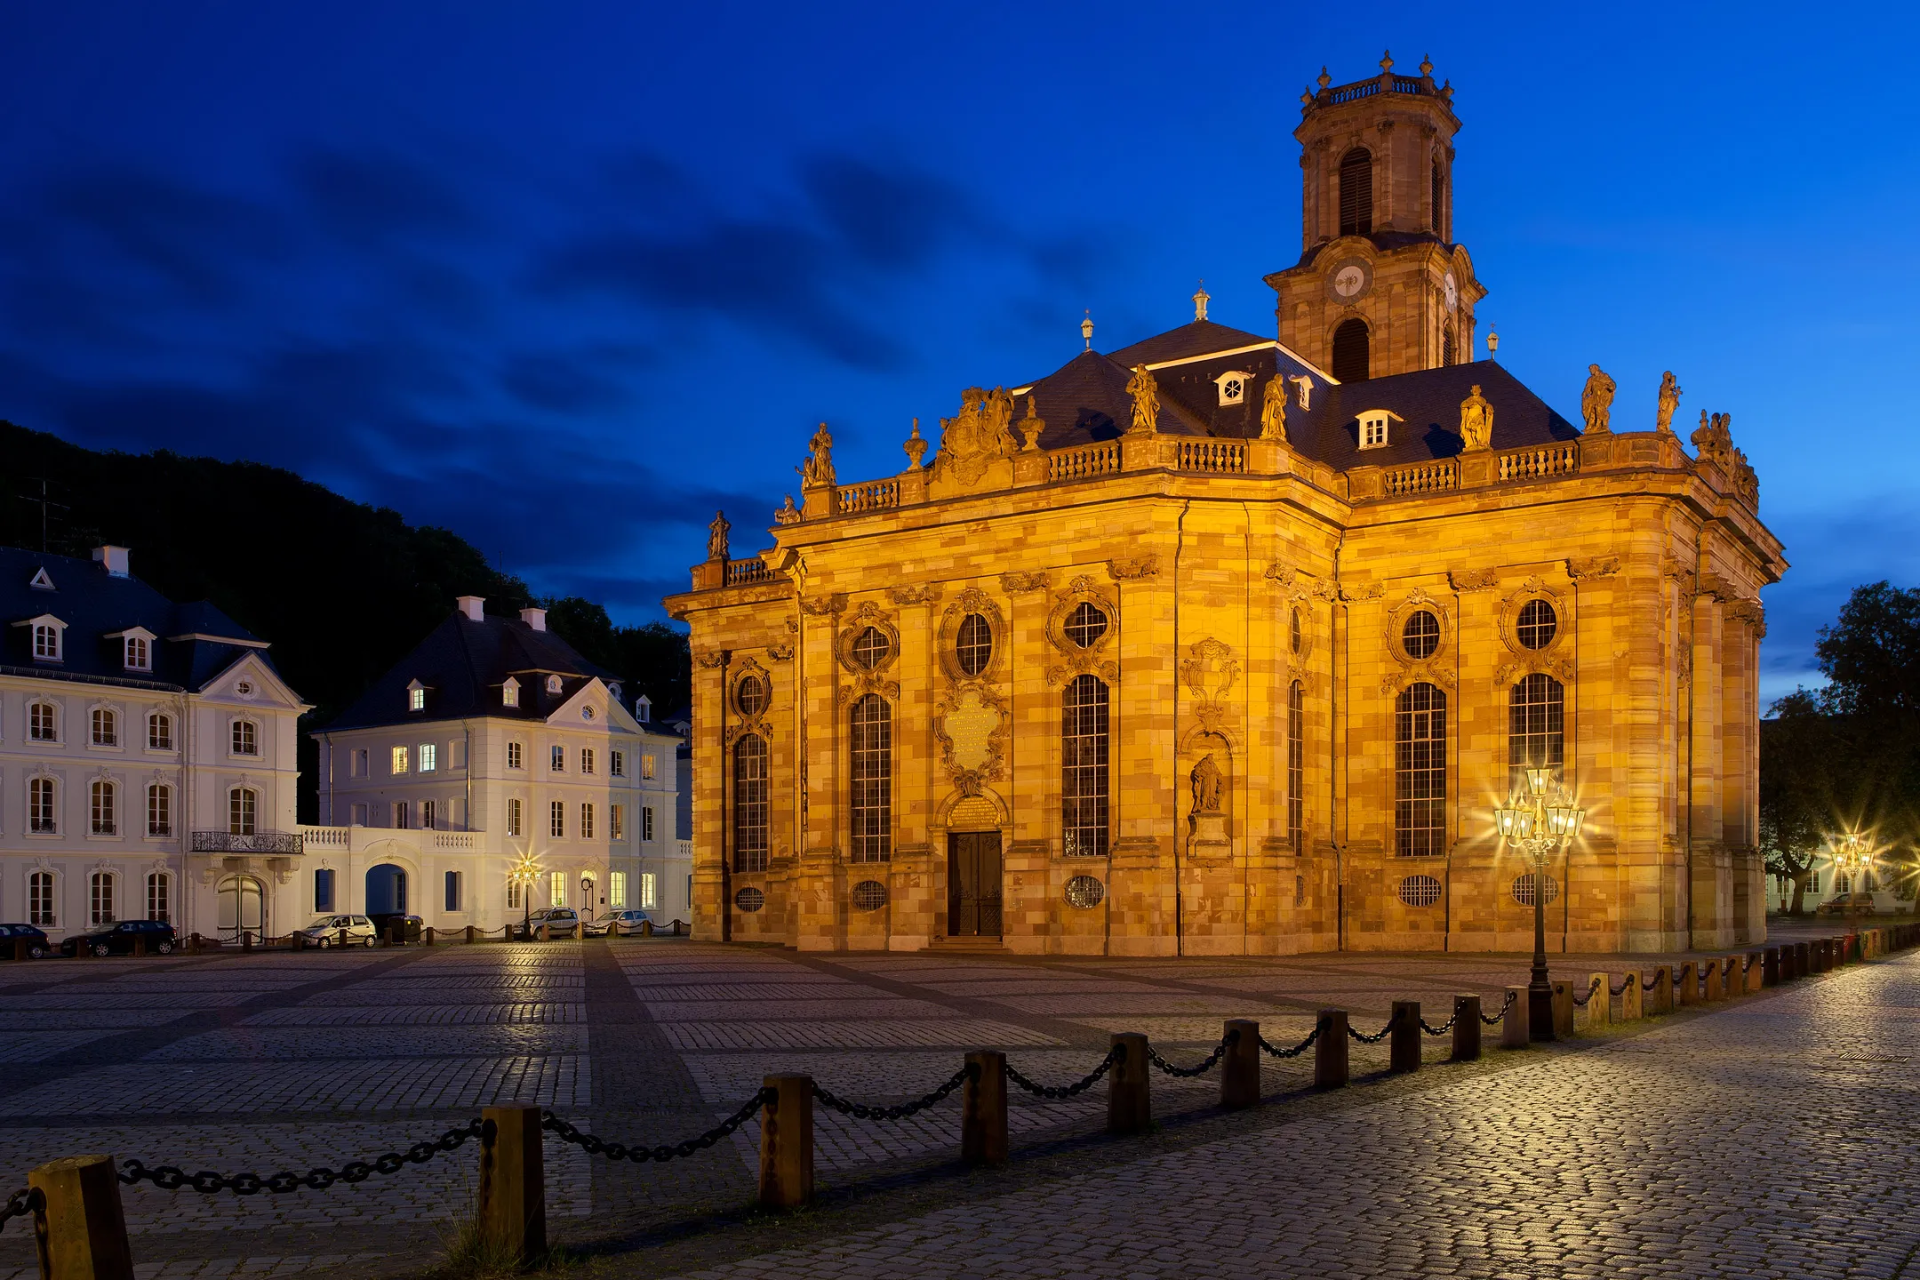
652,659
1797,748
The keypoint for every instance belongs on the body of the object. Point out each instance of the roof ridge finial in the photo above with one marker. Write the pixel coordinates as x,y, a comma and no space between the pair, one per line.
1086,329
1200,300
1386,62
1426,65
1325,79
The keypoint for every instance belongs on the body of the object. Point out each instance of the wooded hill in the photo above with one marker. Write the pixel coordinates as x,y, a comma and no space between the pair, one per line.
341,589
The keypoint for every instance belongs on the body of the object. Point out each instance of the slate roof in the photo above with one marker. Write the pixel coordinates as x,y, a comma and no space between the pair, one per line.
1086,400
94,605
463,663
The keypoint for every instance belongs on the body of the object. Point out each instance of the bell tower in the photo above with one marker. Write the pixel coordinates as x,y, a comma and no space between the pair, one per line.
1381,287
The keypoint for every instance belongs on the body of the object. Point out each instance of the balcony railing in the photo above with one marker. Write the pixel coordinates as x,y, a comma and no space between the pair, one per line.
741,571
1546,460
1084,460
870,495
1221,457
272,842
1421,477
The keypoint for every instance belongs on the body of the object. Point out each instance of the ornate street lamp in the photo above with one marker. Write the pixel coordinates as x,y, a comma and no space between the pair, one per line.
1538,829
525,873
1852,855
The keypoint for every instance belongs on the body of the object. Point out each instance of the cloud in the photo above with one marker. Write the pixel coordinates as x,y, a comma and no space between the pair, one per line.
374,197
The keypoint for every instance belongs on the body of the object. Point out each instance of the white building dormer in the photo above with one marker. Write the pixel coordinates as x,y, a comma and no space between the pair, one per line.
1233,386
46,636
1375,427
510,692
416,696
136,648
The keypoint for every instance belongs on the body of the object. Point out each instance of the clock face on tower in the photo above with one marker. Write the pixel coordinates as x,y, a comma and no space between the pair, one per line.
1349,280
1451,290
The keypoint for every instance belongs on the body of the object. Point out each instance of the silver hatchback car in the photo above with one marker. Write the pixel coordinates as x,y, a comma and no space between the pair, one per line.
340,931
618,924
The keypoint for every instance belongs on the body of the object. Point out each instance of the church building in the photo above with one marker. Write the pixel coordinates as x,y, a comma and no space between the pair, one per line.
1222,643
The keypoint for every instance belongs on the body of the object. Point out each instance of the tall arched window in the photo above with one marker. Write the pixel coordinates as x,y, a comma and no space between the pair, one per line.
160,732
100,895
1446,345
751,807
106,728
100,808
870,802
1296,764
1420,772
43,815
1351,360
40,898
1536,729
160,896
1356,193
159,809
1083,754
243,809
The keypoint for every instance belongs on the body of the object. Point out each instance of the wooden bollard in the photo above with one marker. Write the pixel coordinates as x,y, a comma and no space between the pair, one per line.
1466,1028
1562,1011
81,1233
646,928
983,1110
246,939
1770,967
1515,1028
513,1182
786,1143
1660,999
543,934
426,936
473,935
1599,1001
1713,979
1632,998
1330,1050
1754,972
1687,988
20,949
1129,1086
1403,1040
1800,960
1240,1065
140,945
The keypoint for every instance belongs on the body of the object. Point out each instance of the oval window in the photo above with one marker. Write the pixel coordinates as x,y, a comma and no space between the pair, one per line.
1537,624
869,895
1297,635
1085,892
751,696
750,899
973,646
1523,889
1421,634
1420,891
1086,624
870,648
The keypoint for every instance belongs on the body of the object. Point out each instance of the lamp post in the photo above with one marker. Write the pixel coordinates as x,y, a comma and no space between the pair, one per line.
1539,828
586,896
1852,855
525,873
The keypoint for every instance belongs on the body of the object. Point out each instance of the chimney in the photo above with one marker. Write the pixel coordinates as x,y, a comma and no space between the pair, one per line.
471,607
534,618
115,560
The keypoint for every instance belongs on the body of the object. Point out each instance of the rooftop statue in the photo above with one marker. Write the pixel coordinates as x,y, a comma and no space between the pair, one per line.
717,536
818,469
1596,402
1146,400
1669,401
1273,409
1476,422
977,435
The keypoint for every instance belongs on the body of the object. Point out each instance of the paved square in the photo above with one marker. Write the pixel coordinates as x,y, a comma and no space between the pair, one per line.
1766,1138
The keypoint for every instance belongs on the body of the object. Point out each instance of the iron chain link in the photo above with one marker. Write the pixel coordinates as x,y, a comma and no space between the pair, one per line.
1114,1055
859,1111
1503,1011
640,1154
27,1200
1297,1050
1443,1028
1228,1041
1593,989
171,1178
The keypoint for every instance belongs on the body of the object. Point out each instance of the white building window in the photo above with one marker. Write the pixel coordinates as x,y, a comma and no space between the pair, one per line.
1374,425
429,815
159,896
42,807
246,738
357,814
513,895
106,728
357,766
617,763
617,889
646,822
649,891
553,684
159,812
400,815
137,656
646,766
243,811
416,697
100,808
557,889
40,899
397,761
46,642
159,732
513,818
616,822
586,760
513,755
557,820
510,693
43,722
586,822
100,887
559,760
429,757
453,891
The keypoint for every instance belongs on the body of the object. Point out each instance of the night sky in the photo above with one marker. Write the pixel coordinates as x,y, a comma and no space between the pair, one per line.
566,277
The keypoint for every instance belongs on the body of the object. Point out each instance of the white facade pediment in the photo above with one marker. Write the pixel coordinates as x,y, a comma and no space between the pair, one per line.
594,706
249,681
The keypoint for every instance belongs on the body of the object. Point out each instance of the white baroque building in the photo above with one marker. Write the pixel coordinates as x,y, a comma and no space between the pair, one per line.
490,744
148,762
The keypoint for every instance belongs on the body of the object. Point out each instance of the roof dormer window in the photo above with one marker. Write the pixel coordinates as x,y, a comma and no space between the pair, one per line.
40,581
416,696
510,693
1373,427
1233,387
46,636
553,684
643,708
137,654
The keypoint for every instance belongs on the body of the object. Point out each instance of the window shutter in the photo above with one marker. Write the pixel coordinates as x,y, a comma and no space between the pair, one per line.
1356,193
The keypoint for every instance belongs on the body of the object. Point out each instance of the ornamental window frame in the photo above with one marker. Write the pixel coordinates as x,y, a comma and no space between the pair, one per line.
750,784
43,728
1093,658
43,805
103,807
1512,605
870,769
969,604
103,726
1415,836
159,731
1086,767
1375,430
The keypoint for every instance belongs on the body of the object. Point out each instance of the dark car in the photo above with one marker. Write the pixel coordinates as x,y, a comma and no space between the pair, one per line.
12,934
561,922
384,921
120,939
1846,904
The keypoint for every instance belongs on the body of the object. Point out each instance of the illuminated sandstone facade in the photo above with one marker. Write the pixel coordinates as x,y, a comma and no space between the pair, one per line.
1194,648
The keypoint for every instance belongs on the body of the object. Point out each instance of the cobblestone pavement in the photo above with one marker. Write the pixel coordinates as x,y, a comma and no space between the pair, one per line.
276,1061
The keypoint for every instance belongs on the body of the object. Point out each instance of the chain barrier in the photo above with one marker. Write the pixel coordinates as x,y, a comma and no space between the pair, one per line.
171,1178
25,1201
1593,989
1650,984
639,1154
1228,1041
1503,1011
1114,1055
1443,1028
860,1111
1298,1049
1378,1036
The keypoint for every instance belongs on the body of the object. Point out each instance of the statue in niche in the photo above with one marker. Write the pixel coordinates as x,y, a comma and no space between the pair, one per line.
1273,410
1208,785
818,469
1146,400
1476,422
717,536
1596,401
1669,401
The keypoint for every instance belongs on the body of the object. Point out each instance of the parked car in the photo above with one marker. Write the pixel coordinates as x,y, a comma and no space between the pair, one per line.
561,922
37,944
409,925
340,931
620,922
119,940
1846,904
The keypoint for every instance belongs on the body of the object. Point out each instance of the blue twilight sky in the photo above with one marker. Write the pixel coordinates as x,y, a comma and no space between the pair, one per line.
565,277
